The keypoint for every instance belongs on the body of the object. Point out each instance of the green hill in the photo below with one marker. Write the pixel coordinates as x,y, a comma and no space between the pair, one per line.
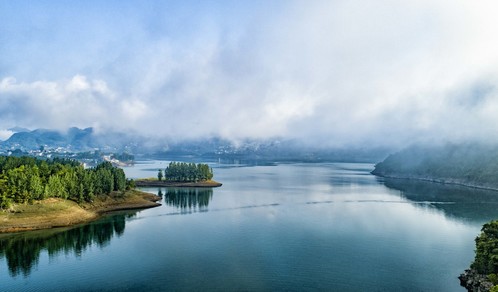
474,165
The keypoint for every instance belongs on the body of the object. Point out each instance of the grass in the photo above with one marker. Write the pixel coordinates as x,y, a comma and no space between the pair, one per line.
55,212
43,214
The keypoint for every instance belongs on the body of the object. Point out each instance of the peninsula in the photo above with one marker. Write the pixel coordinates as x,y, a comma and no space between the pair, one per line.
39,194
57,212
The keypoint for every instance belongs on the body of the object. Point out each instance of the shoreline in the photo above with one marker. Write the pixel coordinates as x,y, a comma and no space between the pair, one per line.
53,213
473,281
163,183
438,181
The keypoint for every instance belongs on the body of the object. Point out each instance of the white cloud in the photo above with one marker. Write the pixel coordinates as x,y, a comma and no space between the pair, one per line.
335,72
5,134
54,104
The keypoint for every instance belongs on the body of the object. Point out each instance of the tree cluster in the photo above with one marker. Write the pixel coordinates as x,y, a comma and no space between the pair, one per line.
25,179
486,260
186,172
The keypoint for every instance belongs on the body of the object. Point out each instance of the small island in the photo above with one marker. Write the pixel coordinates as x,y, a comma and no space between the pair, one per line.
182,174
40,194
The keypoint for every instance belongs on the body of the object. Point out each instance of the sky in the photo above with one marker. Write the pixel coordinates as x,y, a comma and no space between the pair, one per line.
345,72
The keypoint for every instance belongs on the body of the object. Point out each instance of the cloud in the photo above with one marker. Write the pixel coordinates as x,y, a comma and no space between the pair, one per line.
5,134
325,72
55,104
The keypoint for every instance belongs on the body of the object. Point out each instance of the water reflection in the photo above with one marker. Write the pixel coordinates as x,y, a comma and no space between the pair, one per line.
455,201
22,251
188,199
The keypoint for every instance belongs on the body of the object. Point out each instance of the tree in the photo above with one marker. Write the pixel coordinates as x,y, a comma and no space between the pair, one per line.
186,172
36,187
24,179
106,180
55,188
81,194
486,260
160,175
130,184
119,179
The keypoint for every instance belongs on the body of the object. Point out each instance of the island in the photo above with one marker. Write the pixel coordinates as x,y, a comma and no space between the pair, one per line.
40,194
182,174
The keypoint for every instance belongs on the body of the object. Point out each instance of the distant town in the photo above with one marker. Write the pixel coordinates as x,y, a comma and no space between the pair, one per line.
87,158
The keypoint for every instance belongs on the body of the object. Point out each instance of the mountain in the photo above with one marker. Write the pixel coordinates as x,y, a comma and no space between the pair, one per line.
79,140
474,165
18,129
73,138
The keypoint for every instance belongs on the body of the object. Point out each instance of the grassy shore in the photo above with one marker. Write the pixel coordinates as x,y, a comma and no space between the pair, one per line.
153,182
54,212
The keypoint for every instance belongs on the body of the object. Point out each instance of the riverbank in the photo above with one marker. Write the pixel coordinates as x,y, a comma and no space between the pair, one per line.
447,181
163,183
55,212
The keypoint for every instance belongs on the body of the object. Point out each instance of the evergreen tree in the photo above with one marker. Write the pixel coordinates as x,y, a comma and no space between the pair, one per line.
24,179
486,259
81,194
119,179
36,187
55,188
187,172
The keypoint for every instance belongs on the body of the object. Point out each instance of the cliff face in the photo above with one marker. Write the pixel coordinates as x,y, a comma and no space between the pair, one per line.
470,165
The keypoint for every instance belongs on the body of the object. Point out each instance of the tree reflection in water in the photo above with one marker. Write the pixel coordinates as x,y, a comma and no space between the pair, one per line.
469,204
189,199
22,251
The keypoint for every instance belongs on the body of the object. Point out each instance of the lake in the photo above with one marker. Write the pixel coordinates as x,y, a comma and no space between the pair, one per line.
330,226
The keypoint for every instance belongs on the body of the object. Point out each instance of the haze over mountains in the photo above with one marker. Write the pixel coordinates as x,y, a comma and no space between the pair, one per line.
331,73
79,140
74,139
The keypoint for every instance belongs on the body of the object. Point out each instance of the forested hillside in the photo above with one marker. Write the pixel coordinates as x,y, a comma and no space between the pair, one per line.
469,164
25,179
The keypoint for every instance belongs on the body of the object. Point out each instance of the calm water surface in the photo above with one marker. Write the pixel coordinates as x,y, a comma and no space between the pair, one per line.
293,227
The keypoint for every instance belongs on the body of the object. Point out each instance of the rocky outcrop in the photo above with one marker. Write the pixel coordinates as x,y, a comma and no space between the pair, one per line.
475,282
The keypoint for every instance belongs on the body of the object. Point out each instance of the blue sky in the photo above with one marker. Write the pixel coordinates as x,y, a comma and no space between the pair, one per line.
328,72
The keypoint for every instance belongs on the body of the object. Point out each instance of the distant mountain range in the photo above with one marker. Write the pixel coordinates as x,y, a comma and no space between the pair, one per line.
74,139
79,140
